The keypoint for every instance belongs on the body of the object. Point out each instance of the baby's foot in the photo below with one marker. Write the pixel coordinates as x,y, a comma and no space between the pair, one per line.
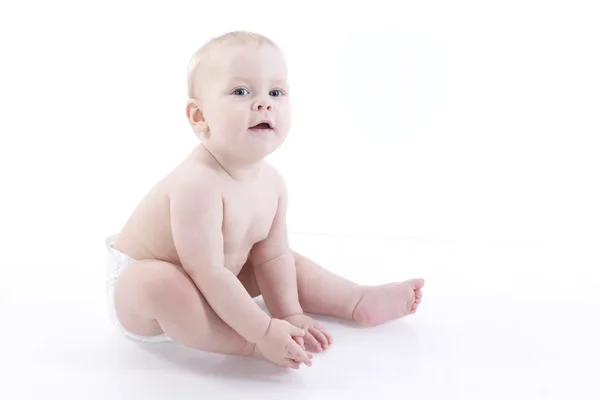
383,303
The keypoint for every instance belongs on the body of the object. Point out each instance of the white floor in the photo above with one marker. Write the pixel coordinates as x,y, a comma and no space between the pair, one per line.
498,321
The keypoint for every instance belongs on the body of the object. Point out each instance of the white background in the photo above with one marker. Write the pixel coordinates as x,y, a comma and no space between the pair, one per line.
454,140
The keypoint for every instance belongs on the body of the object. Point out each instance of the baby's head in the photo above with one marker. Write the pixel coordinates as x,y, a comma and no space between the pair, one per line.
238,96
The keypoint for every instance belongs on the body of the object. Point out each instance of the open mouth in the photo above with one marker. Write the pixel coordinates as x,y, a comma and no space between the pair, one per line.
262,125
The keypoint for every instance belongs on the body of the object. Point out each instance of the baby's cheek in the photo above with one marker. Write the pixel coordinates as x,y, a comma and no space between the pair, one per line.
283,123
232,126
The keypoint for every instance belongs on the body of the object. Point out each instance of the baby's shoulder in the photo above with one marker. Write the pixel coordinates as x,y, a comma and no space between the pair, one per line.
196,182
273,176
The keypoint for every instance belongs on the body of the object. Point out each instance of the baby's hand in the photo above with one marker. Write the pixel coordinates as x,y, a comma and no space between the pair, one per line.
316,336
279,346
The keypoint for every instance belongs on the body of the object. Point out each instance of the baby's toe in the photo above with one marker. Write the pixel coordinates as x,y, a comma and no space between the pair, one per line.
417,283
416,302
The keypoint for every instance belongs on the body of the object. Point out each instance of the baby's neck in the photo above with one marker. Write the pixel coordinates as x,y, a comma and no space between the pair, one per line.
236,170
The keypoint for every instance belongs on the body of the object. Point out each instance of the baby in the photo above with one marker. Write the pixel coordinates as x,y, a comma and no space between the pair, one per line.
212,234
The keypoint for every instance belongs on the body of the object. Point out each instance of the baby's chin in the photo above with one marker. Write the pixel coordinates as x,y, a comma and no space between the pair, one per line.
262,136
261,149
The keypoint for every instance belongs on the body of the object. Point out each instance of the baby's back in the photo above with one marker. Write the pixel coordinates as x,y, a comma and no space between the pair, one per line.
248,212
147,233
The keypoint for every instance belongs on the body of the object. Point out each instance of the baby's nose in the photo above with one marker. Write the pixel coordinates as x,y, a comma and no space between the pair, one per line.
262,105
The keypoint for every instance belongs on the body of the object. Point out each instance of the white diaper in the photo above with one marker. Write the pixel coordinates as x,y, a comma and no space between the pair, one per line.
115,263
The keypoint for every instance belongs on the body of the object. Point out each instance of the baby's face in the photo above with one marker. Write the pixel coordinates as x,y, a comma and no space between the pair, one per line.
246,105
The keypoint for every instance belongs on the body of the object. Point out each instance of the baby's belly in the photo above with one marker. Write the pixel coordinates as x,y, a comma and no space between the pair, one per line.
235,260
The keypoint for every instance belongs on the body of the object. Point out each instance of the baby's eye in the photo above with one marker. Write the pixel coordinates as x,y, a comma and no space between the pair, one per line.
275,93
240,92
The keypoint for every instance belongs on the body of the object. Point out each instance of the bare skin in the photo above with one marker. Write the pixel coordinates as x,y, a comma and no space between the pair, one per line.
212,234
156,295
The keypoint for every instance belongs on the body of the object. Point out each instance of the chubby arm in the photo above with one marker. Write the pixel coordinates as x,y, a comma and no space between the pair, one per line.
196,219
274,265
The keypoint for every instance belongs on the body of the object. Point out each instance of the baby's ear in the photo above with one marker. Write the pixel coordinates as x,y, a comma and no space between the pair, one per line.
196,118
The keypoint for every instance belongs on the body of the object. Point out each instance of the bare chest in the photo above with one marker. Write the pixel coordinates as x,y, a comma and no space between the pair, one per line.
247,219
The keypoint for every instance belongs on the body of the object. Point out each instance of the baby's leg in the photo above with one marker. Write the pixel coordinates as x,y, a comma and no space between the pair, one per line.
152,297
323,292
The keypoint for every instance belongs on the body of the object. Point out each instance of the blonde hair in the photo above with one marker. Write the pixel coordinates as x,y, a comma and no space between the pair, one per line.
235,37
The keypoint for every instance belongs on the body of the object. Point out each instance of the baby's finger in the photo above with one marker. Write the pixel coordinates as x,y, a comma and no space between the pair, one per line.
307,362
290,364
300,341
295,331
298,354
320,337
296,361
312,342
324,331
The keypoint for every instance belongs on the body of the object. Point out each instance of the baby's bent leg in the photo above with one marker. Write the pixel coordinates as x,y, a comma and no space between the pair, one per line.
323,292
320,291
152,297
